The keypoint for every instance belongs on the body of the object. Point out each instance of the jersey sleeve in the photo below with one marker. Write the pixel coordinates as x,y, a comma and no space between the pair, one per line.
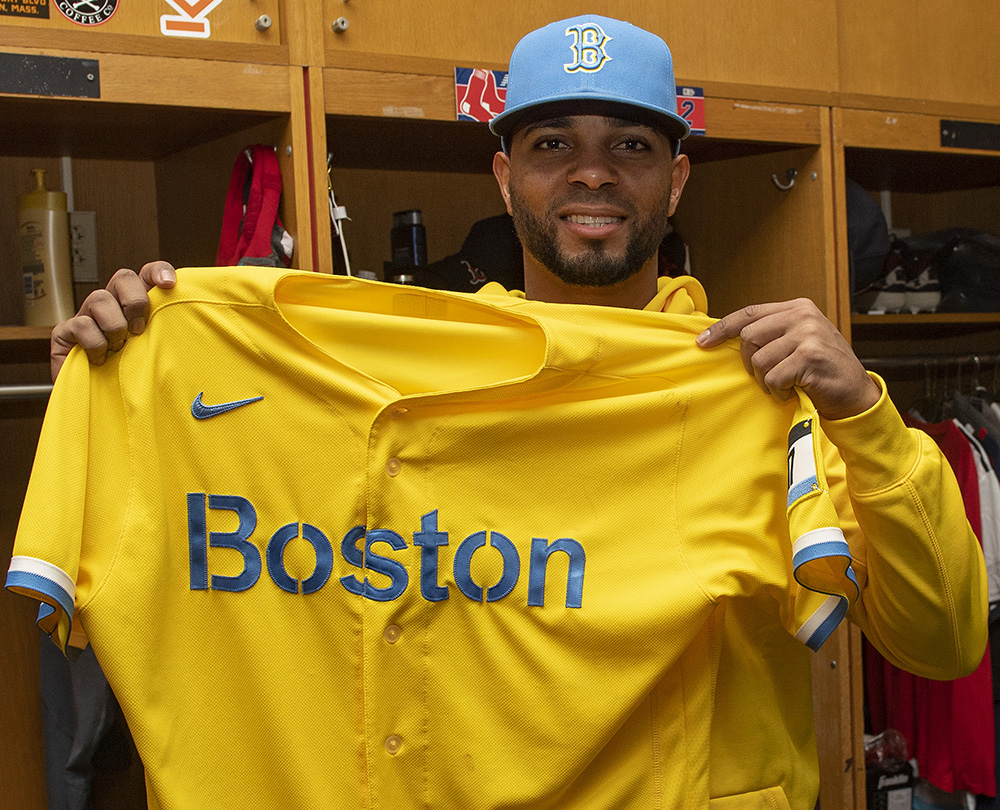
47,550
825,585
923,586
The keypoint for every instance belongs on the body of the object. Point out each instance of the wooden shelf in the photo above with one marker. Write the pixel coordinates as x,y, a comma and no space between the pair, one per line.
24,344
953,328
20,333
390,100
924,318
149,107
141,131
925,172
187,83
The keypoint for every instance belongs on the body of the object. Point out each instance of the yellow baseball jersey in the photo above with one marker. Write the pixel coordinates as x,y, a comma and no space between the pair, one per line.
343,544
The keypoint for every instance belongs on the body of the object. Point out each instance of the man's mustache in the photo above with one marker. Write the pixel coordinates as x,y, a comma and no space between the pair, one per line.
594,197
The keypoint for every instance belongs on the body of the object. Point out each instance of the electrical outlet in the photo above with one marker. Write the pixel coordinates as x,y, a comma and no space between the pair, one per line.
83,245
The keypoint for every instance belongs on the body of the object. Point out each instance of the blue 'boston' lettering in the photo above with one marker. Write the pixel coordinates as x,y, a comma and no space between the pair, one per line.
237,540
540,553
197,541
396,571
429,539
353,556
276,558
463,567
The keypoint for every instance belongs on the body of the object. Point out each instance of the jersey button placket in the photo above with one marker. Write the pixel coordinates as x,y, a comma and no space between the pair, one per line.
393,466
392,714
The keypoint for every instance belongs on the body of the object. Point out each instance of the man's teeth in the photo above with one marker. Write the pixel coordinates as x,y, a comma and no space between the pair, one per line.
593,222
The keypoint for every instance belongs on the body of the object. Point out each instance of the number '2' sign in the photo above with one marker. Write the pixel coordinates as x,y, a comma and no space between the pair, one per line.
691,107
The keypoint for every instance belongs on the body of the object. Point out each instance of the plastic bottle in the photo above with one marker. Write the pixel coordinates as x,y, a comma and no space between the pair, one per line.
43,228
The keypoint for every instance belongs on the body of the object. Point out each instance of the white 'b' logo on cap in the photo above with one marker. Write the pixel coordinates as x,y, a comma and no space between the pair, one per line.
588,48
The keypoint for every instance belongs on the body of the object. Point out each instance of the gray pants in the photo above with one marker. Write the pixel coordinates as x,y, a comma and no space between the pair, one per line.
78,710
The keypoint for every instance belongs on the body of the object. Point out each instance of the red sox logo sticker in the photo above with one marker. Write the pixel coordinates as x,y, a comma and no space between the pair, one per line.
190,20
480,95
87,12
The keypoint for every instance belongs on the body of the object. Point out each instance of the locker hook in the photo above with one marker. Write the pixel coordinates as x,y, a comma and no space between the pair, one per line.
790,175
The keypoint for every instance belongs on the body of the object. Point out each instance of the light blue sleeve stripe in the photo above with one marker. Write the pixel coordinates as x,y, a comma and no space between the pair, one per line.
803,487
41,585
854,579
830,548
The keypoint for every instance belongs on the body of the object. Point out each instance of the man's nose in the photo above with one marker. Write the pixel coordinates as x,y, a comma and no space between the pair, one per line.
593,168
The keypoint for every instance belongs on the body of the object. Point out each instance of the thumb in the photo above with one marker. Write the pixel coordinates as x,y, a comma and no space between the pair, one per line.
158,274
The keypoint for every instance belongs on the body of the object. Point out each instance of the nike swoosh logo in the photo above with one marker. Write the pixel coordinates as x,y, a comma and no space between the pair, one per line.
199,410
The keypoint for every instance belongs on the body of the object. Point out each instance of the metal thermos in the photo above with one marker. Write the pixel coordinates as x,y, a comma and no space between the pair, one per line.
408,239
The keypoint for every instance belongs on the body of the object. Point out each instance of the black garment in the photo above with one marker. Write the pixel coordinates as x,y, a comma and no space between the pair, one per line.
78,712
491,252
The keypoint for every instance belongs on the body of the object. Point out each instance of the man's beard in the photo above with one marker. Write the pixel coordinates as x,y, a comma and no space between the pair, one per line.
595,267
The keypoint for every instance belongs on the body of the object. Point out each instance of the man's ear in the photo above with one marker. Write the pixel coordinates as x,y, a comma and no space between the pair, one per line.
501,170
679,176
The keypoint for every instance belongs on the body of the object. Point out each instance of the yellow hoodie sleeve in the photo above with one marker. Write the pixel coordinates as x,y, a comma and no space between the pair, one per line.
920,570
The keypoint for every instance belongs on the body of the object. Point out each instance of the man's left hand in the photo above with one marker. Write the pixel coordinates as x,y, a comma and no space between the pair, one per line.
790,344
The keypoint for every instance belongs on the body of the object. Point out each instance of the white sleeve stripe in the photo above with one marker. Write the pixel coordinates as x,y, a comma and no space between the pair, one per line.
824,534
46,570
821,622
827,547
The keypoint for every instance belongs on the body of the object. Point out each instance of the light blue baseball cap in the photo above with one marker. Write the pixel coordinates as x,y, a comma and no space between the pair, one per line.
591,58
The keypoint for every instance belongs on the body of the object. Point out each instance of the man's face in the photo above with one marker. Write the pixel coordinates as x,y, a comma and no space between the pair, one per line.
590,196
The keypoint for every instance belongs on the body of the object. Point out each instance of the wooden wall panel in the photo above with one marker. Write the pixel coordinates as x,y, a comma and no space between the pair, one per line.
228,22
450,204
922,51
122,195
191,189
783,42
923,213
22,777
751,242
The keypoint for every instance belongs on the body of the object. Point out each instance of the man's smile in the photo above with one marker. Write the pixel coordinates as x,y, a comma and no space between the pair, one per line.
592,221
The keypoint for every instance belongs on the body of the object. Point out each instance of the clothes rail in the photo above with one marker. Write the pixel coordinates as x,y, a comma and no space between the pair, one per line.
40,391
930,361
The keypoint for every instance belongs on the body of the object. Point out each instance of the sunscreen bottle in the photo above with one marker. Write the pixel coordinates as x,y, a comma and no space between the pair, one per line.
43,228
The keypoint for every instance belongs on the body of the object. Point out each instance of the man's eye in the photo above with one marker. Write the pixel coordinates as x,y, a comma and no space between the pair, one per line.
633,145
550,143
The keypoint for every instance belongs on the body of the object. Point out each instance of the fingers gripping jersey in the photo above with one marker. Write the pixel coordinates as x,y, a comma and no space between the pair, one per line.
345,544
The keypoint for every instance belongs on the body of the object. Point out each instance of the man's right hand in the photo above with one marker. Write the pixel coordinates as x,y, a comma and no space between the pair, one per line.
107,317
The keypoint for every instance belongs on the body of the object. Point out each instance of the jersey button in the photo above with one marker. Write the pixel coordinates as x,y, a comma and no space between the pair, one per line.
392,633
393,466
393,744
399,411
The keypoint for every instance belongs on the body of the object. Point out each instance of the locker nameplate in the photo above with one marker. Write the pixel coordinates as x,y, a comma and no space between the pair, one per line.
970,135
35,75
